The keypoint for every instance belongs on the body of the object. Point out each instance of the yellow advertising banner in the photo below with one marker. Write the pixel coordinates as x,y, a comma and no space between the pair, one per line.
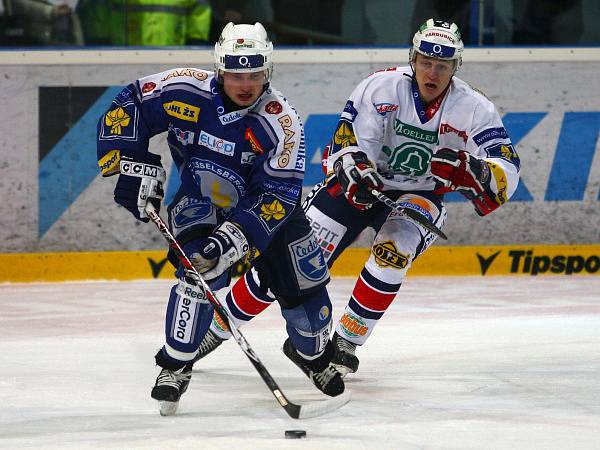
534,260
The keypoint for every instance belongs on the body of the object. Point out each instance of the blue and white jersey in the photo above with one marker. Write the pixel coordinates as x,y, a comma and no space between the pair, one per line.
248,163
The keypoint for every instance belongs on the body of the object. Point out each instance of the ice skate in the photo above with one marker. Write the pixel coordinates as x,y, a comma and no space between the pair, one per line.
210,342
170,386
344,359
324,376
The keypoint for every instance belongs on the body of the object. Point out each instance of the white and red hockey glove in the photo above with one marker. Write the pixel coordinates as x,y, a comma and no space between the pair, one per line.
459,171
357,176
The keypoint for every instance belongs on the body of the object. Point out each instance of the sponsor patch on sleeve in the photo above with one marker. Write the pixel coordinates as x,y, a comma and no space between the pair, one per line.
489,134
504,151
109,163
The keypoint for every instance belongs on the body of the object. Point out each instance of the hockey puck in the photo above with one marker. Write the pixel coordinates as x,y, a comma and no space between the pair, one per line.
295,434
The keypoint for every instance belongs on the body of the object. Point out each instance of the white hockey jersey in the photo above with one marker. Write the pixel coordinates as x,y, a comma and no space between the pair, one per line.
386,119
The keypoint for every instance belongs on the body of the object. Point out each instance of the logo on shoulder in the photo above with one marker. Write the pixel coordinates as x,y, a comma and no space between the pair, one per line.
117,119
273,107
148,87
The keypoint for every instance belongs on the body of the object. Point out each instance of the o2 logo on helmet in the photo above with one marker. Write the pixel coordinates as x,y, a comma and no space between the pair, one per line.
244,61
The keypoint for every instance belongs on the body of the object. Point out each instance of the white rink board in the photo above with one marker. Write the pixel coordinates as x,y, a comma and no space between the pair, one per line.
93,222
465,363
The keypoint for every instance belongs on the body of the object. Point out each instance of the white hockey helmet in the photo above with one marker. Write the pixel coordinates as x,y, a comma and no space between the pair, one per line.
244,48
438,39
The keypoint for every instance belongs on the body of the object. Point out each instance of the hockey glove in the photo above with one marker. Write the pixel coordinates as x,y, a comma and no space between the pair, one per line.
213,255
357,176
140,181
459,171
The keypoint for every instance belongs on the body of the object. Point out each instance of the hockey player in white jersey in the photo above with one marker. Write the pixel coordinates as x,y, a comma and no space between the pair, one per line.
414,132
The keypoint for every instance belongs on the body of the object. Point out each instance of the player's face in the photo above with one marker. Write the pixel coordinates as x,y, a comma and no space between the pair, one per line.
243,88
433,76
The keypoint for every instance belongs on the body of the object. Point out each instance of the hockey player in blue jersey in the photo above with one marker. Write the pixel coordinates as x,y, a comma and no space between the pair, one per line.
238,147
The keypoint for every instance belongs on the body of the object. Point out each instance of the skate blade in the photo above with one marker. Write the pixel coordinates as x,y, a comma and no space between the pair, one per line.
168,408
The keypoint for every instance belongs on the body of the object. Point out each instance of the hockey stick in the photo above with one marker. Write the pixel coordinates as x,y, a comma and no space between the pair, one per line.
410,214
295,411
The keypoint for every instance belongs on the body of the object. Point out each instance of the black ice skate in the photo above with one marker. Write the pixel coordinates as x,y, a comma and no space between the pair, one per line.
325,377
344,359
170,386
210,342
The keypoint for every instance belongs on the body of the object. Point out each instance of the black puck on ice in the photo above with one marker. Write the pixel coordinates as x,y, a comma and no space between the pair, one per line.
295,434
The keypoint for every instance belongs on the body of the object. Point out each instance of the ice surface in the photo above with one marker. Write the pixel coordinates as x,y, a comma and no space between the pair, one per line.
481,363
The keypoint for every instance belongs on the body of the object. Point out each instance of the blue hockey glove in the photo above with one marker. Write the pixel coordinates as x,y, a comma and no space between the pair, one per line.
140,181
357,176
213,255
471,176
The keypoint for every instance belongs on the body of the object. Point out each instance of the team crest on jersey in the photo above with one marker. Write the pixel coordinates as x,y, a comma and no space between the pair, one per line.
273,107
117,119
308,259
270,209
410,159
387,255
120,123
